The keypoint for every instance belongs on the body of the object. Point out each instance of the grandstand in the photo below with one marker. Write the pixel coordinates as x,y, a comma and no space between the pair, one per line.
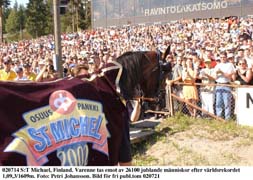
107,13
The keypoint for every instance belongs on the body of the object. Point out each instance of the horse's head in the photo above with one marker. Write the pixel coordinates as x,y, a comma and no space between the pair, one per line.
142,72
151,74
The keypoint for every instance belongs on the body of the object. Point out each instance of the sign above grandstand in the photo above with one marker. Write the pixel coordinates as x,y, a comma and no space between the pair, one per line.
244,107
186,8
106,13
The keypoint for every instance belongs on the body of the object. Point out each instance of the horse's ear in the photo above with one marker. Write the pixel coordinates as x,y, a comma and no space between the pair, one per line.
166,67
165,54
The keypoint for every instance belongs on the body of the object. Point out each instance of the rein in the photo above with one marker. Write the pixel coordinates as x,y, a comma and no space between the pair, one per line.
146,99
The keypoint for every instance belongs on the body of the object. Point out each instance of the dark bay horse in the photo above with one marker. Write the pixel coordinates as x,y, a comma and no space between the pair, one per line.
144,79
144,74
75,121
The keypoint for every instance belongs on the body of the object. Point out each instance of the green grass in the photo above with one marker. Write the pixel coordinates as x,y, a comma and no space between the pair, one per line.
17,37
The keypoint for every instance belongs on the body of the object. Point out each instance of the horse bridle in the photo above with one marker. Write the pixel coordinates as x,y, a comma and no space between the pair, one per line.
155,98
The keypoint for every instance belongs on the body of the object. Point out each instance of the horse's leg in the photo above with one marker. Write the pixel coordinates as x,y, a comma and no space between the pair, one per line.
136,110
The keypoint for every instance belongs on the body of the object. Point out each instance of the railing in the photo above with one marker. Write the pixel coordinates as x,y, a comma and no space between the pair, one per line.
224,105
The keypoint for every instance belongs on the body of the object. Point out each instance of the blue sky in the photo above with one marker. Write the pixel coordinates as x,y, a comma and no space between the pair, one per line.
24,2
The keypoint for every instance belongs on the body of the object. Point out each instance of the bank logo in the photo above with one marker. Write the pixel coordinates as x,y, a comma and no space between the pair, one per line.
62,102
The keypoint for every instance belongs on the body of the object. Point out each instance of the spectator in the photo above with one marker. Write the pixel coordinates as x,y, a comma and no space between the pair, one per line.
28,74
170,59
17,64
240,55
243,75
20,74
210,55
92,66
176,77
190,92
81,70
197,67
47,73
41,64
224,72
7,74
231,58
206,91
248,57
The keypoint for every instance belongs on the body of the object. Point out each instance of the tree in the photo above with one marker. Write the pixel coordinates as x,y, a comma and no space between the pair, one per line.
77,15
68,20
3,4
15,21
83,14
49,18
37,18
85,22
12,22
21,19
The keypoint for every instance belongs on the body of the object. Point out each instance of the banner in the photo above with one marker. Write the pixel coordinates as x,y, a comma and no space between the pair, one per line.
245,106
69,122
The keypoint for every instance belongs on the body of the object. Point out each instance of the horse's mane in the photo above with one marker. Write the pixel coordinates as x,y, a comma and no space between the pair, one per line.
132,63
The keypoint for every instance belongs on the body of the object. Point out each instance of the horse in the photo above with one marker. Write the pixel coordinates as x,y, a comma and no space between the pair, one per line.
144,100
153,84
75,121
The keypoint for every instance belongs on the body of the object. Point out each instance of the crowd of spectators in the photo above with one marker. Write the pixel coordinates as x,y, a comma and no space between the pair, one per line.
200,52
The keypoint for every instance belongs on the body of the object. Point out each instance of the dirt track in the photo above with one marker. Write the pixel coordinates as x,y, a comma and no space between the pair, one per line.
202,145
